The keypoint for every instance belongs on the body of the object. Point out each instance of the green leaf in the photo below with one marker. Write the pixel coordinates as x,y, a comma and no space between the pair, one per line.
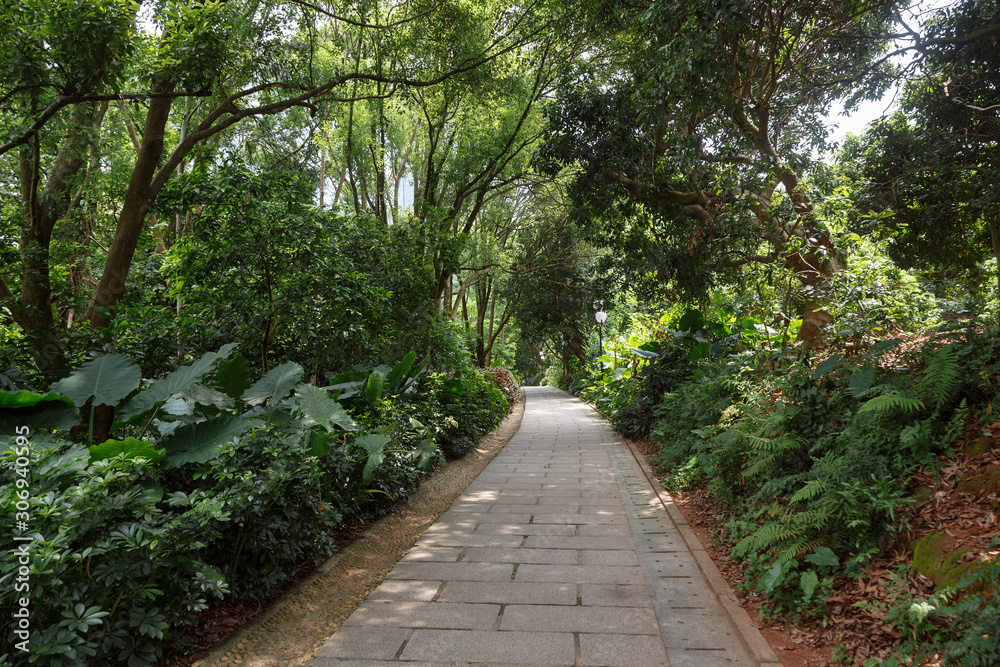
692,320
319,409
275,385
827,366
374,444
773,577
131,447
890,402
197,443
453,385
319,443
701,350
373,388
203,395
808,581
823,556
24,408
174,383
400,370
107,380
429,454
861,381
233,377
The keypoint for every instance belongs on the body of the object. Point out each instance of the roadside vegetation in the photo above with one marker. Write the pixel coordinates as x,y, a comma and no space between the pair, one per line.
265,265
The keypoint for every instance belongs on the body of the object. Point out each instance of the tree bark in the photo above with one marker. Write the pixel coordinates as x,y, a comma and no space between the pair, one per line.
40,212
133,214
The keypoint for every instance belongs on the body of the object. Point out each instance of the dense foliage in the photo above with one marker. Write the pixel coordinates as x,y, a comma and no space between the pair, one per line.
214,486
383,205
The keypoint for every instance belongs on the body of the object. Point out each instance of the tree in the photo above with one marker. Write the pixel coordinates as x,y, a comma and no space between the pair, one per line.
934,164
234,61
691,152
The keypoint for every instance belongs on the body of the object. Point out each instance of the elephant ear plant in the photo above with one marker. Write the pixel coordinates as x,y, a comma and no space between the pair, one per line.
211,485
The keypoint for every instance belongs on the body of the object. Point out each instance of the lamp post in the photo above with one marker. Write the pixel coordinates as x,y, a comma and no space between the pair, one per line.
600,316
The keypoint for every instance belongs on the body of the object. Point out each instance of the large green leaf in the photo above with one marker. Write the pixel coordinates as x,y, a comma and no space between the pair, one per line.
861,381
131,447
889,402
197,443
319,409
808,581
701,350
107,379
175,382
400,370
373,388
276,384
24,408
824,556
692,320
827,366
374,444
234,377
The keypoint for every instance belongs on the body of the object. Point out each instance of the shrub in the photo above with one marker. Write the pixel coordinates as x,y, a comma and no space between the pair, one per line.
505,381
114,566
214,485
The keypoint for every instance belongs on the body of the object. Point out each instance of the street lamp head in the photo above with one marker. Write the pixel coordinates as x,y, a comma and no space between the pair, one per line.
600,316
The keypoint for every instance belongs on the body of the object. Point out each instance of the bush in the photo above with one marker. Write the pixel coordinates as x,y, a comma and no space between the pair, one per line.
214,485
114,565
505,381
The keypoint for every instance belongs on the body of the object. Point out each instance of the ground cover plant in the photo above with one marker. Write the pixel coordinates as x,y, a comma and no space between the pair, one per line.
811,468
213,485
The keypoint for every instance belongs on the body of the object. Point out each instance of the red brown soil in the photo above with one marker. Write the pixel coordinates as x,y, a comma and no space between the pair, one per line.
959,501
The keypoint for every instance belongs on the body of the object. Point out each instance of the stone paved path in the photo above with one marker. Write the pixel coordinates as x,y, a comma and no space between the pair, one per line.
559,553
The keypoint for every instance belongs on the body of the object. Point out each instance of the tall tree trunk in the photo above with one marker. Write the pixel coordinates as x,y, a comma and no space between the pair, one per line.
40,211
133,214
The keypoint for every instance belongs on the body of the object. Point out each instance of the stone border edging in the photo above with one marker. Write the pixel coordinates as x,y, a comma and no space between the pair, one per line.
299,622
758,647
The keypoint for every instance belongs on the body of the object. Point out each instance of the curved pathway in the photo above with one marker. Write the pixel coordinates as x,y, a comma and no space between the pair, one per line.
560,552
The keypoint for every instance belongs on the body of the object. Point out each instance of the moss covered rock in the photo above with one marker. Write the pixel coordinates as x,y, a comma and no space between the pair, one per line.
936,557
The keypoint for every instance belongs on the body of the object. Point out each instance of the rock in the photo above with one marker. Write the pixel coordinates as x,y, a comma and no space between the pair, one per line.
935,556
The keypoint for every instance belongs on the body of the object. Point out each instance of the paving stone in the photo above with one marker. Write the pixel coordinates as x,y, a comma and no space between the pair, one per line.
558,542
604,530
509,592
366,643
615,620
609,558
415,591
541,556
457,646
525,529
615,595
435,554
453,571
482,517
503,508
581,574
397,614
469,540
621,651
586,500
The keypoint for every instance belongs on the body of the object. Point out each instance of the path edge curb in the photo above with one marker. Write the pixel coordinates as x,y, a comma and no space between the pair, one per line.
751,638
